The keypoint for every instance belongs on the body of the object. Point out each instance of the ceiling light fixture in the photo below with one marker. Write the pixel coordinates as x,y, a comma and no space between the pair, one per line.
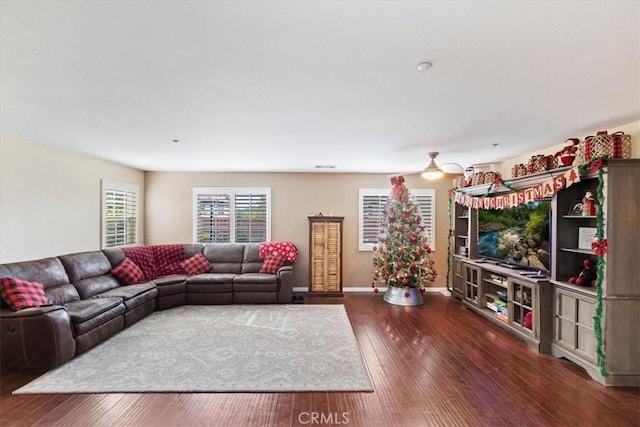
424,66
432,172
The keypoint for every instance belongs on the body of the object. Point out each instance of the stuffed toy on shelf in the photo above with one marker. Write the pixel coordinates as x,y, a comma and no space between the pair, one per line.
587,276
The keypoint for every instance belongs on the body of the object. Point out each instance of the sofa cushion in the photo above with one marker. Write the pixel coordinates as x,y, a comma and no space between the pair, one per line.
87,315
60,295
272,264
255,287
172,289
83,310
115,255
19,293
255,282
128,272
209,288
252,261
96,285
133,295
210,283
212,278
197,264
169,280
225,257
48,271
85,264
167,259
190,249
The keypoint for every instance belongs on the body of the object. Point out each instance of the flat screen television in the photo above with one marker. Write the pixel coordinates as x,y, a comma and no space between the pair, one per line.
516,237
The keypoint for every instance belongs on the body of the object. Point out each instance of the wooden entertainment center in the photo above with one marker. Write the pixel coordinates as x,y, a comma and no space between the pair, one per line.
550,314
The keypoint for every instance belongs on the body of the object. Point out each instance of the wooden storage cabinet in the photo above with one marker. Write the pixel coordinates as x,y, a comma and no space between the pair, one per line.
465,231
457,287
522,315
325,255
465,222
574,307
573,333
471,284
562,314
505,298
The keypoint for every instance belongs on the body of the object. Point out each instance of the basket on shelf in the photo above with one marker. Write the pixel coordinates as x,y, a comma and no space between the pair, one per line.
616,145
518,170
459,182
491,177
551,162
534,165
478,178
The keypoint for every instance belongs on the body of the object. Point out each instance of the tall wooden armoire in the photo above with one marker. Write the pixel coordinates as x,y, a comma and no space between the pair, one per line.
325,255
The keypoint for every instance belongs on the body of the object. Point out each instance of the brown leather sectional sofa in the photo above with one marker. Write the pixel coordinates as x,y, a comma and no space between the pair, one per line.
87,304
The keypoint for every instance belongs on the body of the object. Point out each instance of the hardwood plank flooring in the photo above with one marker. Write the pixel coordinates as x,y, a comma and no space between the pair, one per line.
434,365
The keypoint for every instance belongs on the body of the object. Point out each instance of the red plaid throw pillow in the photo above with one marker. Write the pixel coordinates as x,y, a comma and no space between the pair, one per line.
21,294
128,272
197,264
272,264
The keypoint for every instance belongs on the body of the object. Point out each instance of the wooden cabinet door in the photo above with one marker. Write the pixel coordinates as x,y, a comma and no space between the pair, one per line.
332,256
325,246
574,324
318,258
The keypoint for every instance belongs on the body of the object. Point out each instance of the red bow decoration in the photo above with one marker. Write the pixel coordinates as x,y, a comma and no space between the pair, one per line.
599,248
596,166
396,180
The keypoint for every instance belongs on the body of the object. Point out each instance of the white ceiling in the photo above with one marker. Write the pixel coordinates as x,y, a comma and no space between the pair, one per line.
285,86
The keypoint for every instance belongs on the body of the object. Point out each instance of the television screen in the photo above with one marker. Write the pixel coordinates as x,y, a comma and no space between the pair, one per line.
518,236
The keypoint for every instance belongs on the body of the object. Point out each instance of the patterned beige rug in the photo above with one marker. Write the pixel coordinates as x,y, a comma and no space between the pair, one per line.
235,348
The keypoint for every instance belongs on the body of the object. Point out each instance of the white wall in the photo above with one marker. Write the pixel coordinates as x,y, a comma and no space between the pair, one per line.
50,199
294,196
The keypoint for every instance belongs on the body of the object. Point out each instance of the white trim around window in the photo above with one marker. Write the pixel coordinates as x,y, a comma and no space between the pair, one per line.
231,214
120,216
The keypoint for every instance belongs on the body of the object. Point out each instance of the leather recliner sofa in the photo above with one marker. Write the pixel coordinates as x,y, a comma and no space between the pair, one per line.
87,304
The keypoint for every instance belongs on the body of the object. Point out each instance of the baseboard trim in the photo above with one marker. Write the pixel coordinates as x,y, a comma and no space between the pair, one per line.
368,289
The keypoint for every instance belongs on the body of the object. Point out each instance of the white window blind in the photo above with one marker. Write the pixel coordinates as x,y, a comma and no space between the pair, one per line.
373,202
119,214
231,215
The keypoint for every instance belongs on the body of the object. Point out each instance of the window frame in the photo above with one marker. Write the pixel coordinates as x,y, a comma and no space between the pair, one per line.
107,185
385,193
231,192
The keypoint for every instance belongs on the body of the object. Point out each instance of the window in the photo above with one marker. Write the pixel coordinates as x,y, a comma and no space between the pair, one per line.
119,214
231,215
372,204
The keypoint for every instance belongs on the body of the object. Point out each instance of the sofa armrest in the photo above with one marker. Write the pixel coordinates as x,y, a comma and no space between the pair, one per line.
285,284
36,338
7,313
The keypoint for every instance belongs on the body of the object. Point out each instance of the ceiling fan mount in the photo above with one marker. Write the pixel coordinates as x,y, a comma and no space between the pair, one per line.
433,171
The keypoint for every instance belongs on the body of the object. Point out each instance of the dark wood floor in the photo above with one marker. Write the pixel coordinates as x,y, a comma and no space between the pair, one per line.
434,365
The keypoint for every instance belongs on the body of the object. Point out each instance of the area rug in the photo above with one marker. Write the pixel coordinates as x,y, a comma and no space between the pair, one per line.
235,348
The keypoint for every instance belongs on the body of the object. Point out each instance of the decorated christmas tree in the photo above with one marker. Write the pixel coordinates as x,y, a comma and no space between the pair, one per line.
403,257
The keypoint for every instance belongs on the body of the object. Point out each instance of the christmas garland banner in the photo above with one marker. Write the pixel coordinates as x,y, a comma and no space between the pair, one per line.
539,191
